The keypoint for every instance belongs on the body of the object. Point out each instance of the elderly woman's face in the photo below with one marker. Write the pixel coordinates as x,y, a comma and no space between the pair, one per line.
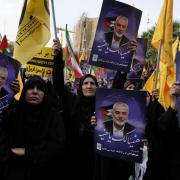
34,95
89,87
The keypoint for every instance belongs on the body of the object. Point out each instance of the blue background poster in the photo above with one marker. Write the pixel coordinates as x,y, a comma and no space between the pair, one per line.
178,79
128,147
102,54
138,61
13,69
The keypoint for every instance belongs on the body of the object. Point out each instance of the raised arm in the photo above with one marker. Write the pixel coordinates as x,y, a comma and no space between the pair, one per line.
58,74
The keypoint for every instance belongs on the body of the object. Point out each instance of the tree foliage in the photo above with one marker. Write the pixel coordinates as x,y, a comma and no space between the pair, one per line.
151,52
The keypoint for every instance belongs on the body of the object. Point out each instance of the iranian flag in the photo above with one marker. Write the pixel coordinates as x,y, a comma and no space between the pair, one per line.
74,59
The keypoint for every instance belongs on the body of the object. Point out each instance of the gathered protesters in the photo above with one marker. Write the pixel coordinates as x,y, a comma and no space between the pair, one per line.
33,136
77,112
82,130
15,87
154,112
167,146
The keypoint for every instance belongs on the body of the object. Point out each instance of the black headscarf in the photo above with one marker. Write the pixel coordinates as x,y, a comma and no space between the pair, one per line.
82,80
34,81
86,105
30,122
136,83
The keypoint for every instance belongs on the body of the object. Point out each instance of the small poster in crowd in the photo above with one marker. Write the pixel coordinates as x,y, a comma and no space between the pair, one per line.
85,67
9,69
117,27
178,79
110,75
138,61
41,64
120,126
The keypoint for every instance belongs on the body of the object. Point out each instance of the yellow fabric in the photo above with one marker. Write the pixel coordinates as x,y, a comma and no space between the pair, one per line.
17,96
166,75
175,47
164,24
41,64
34,30
82,58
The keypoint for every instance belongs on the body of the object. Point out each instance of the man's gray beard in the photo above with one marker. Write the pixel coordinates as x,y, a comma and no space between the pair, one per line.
118,35
119,122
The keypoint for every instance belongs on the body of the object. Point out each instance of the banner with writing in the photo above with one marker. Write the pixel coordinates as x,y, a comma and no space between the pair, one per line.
41,64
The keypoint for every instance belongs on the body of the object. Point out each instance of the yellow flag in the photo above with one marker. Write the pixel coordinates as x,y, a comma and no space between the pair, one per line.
166,75
34,30
17,96
82,57
175,47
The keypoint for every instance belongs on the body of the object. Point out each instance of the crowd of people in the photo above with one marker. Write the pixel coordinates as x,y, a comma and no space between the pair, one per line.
50,131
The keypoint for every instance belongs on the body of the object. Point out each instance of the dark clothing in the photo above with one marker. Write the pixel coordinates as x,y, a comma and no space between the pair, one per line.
38,129
82,142
77,112
119,80
169,157
82,134
3,92
155,110
109,36
113,169
128,128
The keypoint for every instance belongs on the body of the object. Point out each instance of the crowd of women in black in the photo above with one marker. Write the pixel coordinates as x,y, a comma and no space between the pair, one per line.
48,133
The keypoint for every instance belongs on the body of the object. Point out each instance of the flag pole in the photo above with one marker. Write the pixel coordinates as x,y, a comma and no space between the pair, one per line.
157,65
54,19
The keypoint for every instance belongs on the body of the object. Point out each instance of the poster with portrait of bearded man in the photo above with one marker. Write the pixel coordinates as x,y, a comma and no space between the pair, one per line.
116,32
120,117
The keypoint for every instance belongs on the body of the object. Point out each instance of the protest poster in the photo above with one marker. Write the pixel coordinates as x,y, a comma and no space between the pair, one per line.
9,69
117,27
138,61
85,67
41,64
120,126
178,79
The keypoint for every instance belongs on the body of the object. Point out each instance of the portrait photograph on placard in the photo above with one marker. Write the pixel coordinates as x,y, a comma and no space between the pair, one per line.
120,126
117,27
138,61
9,69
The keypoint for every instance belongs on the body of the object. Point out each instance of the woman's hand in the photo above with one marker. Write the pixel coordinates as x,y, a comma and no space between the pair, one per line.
18,151
15,86
93,121
56,47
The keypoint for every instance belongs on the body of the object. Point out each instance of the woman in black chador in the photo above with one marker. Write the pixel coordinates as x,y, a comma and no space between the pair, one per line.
33,136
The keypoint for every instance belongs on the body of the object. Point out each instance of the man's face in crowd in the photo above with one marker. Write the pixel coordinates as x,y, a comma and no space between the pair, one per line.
89,87
120,115
120,27
3,76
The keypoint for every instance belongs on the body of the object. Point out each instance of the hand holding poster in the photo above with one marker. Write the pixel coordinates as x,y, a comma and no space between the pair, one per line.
120,123
117,28
138,61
